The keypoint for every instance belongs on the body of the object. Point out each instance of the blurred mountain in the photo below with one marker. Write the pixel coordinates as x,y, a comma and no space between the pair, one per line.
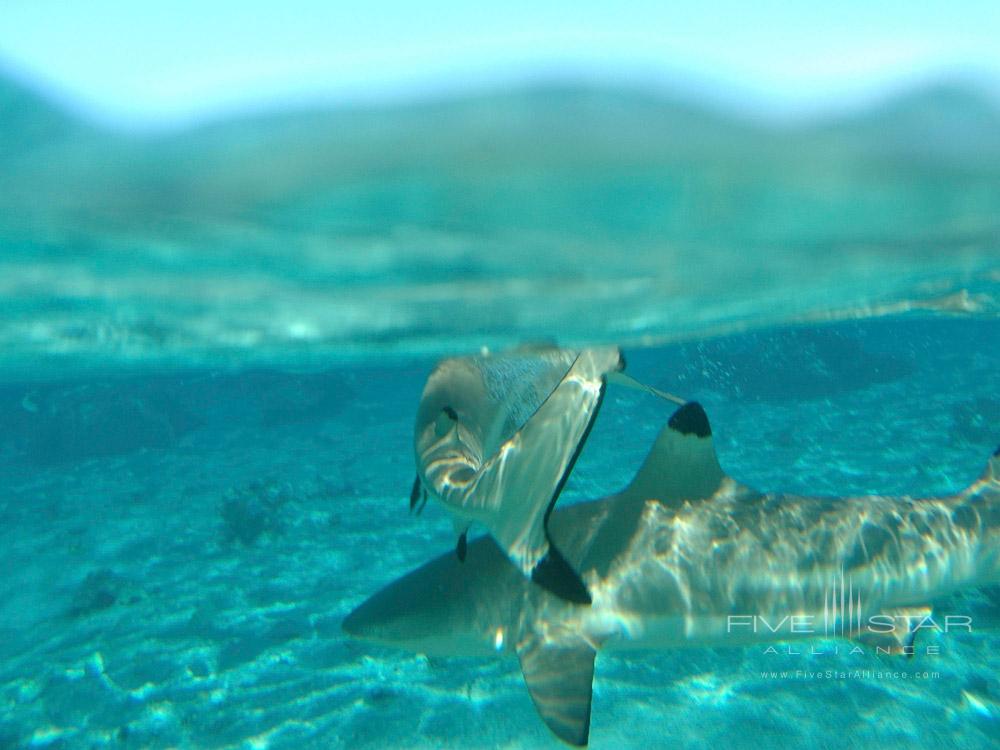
47,156
542,154
28,121
418,162
944,121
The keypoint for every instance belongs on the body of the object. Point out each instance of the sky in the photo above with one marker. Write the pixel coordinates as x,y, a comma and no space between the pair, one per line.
142,63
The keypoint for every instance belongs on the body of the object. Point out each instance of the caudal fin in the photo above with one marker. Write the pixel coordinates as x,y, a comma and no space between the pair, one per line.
560,680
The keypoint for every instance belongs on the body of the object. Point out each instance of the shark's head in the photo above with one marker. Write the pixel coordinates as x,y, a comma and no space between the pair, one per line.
447,607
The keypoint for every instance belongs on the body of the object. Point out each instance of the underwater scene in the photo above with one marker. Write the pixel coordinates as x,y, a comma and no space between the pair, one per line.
214,344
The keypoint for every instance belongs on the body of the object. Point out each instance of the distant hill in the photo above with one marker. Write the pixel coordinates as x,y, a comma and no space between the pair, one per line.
943,121
29,121
540,159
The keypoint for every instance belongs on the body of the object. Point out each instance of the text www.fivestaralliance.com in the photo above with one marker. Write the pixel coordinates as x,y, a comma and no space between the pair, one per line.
856,674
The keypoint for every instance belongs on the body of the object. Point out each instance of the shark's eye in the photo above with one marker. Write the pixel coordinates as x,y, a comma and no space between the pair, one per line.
446,420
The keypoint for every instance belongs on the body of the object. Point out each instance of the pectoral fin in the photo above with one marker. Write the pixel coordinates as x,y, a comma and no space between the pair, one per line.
462,534
415,492
560,681
553,573
620,378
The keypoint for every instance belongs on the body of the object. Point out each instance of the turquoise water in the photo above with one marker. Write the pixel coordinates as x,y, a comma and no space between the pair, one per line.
212,345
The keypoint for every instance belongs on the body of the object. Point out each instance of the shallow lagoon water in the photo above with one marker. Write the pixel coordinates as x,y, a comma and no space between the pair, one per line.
181,558
207,408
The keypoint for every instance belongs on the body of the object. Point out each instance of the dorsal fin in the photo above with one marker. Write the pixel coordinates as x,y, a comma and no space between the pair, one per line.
560,680
682,464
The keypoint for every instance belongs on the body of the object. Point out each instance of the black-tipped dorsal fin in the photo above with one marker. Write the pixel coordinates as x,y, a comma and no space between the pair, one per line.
560,680
682,464
690,419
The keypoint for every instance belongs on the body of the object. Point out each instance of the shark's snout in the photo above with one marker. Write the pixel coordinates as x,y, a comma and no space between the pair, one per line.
353,624
400,612
364,621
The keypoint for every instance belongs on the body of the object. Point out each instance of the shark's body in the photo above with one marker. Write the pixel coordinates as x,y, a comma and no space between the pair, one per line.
686,556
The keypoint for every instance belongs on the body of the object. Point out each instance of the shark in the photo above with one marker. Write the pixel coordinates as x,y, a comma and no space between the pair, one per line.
687,556
495,438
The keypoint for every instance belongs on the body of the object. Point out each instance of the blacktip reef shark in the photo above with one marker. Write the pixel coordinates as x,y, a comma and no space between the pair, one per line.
686,556
497,435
